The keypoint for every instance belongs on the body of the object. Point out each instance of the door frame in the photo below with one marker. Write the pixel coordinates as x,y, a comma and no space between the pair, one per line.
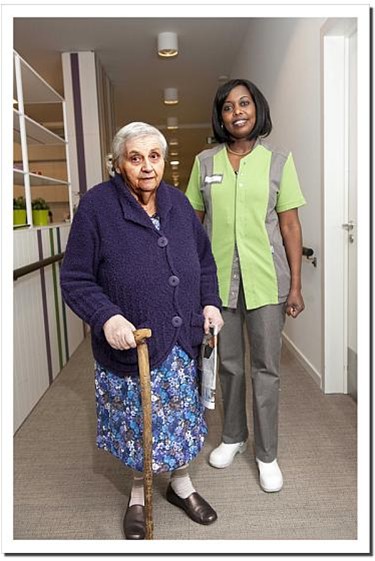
335,127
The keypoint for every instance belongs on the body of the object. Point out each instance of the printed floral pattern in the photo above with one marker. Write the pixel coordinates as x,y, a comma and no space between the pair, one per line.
178,423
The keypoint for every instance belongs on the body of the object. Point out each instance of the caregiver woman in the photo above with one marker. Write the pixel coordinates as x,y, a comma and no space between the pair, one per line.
247,192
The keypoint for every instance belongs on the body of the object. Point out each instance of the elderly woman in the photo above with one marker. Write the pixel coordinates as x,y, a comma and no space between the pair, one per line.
137,256
248,194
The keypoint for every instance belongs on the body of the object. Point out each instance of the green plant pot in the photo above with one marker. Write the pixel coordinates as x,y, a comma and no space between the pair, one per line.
40,217
19,217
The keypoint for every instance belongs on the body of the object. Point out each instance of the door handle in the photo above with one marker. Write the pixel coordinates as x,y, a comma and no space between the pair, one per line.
349,225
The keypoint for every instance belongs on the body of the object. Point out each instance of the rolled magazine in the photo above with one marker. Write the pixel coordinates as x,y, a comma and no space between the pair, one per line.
208,365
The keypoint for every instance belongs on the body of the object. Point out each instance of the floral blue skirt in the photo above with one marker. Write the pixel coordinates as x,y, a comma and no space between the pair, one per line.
178,424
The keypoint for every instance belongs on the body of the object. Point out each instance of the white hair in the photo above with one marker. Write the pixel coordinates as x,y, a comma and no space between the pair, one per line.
135,130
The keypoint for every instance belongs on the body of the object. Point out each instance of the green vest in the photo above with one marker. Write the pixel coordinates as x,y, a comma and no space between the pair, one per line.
241,210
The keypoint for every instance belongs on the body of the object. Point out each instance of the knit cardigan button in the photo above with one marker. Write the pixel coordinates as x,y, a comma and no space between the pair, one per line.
163,241
173,280
176,321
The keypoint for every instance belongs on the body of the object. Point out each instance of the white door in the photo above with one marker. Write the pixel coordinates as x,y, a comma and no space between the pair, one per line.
352,218
340,206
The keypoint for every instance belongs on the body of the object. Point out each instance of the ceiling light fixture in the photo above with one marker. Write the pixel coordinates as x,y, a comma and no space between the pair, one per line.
167,44
170,96
173,142
174,162
172,123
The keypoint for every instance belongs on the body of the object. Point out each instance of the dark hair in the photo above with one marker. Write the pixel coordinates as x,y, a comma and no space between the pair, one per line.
263,123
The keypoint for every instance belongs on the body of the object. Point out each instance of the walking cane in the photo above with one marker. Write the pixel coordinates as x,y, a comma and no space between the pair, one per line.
140,336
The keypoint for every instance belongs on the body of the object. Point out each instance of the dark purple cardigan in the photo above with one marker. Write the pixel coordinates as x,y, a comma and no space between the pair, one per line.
116,262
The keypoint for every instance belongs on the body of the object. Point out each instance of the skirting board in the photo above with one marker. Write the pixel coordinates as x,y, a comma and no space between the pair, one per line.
303,361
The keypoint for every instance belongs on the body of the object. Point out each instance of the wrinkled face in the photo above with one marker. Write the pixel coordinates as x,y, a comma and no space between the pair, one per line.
142,165
239,112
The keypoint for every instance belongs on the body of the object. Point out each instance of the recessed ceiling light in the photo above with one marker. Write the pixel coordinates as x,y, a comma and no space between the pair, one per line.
173,142
170,96
172,123
167,44
174,162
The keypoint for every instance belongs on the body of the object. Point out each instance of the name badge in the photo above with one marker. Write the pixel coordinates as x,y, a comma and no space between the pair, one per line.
213,178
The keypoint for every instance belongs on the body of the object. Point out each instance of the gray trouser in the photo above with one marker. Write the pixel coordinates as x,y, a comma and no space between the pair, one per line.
264,326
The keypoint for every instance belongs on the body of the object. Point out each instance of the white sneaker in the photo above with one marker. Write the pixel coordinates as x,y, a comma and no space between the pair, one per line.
271,478
224,454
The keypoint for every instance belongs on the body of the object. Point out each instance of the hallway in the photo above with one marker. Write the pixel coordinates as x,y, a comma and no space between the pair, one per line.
64,488
78,76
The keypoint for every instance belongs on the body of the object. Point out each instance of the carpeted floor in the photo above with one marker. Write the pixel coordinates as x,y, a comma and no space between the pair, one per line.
64,488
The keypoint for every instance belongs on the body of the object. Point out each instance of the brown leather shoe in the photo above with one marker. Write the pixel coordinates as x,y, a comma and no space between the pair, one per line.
195,506
134,522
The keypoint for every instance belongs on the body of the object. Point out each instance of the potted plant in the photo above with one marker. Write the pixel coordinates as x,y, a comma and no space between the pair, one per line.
19,211
40,212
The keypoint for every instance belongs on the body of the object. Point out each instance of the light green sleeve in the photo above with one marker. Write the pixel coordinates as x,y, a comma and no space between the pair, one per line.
193,191
290,194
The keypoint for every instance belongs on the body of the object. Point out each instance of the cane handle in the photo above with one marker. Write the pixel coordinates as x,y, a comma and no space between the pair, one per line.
141,334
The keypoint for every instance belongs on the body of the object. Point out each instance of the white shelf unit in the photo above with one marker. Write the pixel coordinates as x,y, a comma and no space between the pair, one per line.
30,89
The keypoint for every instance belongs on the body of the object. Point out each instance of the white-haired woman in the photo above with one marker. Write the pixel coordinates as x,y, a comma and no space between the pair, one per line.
137,256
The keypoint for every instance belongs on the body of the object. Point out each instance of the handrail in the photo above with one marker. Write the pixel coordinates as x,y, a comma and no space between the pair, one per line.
308,252
22,271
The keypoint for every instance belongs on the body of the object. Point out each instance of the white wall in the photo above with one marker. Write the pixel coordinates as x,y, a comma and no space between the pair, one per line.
46,332
282,57
89,109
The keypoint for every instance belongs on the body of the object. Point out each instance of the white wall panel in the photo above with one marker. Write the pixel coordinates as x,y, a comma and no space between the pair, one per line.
64,234
30,357
46,247
70,130
75,330
282,57
75,326
90,118
31,371
25,248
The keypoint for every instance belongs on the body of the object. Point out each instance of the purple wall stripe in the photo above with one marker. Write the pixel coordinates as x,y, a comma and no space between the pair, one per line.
74,64
67,355
45,311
